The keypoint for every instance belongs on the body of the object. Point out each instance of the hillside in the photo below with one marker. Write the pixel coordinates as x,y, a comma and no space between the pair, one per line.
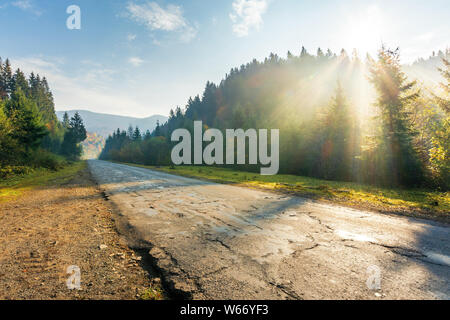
104,124
100,125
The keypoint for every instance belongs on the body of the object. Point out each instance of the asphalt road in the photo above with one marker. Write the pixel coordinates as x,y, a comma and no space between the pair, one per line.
214,241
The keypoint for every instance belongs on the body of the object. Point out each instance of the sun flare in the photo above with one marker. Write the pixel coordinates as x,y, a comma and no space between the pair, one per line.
363,30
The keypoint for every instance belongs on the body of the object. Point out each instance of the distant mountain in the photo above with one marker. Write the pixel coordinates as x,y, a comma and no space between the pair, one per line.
100,125
104,124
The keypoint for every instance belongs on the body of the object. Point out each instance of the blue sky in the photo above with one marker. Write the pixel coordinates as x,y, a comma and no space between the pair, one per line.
139,57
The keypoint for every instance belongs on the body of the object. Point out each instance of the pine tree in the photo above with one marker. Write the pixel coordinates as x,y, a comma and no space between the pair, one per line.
440,151
137,134
320,53
209,104
75,134
77,127
66,121
290,55
5,79
27,126
444,102
338,133
19,81
401,165
130,132
7,74
3,94
157,132
9,147
303,53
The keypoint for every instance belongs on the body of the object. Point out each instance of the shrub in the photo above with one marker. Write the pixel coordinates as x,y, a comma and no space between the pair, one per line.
48,160
10,171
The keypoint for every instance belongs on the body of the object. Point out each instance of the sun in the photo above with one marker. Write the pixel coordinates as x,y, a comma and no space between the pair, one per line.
363,30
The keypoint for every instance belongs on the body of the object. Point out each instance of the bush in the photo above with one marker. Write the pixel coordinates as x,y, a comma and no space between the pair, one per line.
48,160
10,171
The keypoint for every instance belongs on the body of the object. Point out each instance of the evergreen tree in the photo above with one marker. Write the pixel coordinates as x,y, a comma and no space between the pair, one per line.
66,121
147,135
399,160
19,81
440,151
157,131
75,134
77,127
130,132
137,134
320,53
5,79
337,136
444,102
303,53
27,127
9,147
7,74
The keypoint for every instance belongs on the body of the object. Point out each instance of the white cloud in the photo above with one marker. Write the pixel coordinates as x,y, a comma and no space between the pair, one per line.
89,90
156,18
22,4
27,5
247,15
131,37
136,61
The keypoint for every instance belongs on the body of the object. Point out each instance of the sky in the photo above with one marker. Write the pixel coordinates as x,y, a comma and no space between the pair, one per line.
141,57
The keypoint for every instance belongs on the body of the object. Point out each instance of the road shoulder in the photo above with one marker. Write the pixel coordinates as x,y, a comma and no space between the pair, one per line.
67,223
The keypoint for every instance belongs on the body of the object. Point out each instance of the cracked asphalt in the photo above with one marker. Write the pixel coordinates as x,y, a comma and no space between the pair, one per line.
214,241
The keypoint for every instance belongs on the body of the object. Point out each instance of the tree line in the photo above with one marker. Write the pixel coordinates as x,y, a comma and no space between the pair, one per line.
340,118
30,133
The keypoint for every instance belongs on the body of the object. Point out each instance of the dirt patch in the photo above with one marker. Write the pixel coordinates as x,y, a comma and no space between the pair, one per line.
47,230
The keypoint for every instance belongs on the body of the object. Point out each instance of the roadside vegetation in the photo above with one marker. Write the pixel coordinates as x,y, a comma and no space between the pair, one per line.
341,118
18,184
33,141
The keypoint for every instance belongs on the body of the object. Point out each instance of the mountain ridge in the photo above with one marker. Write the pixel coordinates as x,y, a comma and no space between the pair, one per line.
105,124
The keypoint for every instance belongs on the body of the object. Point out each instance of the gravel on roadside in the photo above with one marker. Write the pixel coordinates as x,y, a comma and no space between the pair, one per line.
48,231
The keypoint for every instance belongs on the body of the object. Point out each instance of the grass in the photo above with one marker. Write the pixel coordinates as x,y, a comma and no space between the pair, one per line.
417,202
152,294
14,187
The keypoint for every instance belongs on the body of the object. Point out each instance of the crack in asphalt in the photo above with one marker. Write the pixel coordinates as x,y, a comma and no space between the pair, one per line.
286,290
410,253
309,214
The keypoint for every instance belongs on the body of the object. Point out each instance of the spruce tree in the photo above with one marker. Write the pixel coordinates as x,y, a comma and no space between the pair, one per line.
7,74
338,128
27,125
137,134
157,131
66,121
19,81
75,134
444,102
399,160
440,151
130,132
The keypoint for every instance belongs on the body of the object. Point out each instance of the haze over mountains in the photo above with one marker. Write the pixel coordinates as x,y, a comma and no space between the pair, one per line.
100,125
104,124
